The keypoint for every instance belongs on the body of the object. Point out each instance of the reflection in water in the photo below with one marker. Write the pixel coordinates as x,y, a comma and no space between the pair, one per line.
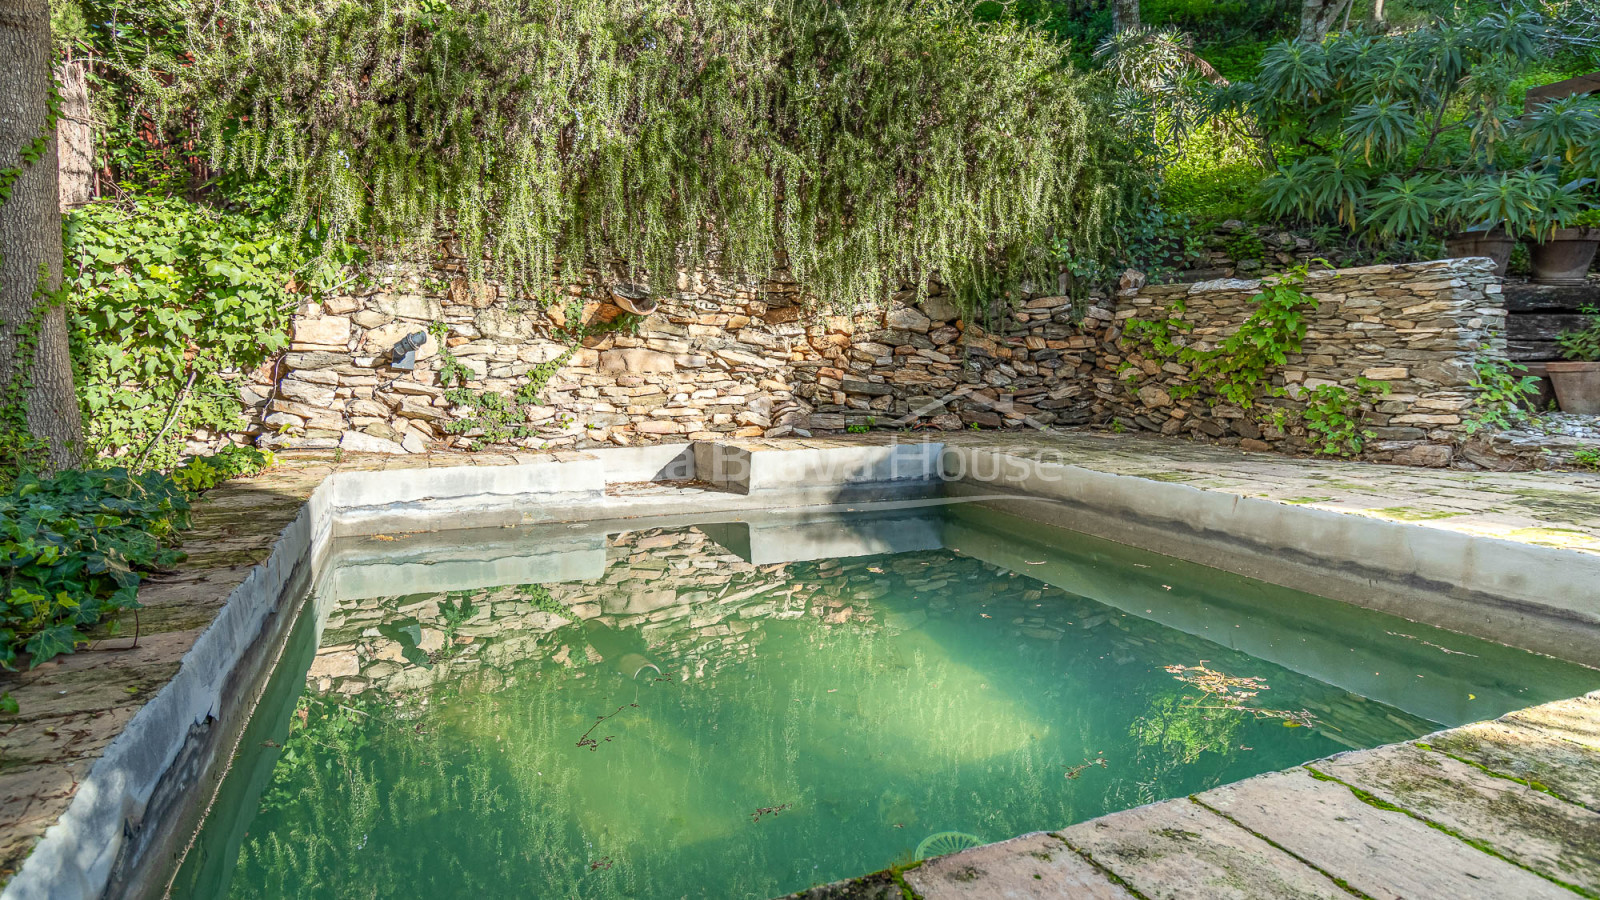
690,718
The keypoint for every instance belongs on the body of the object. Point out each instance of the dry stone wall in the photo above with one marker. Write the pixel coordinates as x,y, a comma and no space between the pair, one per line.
730,358
1402,338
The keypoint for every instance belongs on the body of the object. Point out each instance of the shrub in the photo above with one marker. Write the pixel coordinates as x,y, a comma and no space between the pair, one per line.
71,548
170,301
1396,135
203,473
1583,344
867,142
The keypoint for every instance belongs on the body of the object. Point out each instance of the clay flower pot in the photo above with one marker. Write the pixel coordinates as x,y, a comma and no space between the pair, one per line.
1496,245
1577,386
1565,258
634,298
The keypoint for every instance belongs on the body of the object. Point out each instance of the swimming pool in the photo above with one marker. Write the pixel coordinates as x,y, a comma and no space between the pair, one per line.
747,705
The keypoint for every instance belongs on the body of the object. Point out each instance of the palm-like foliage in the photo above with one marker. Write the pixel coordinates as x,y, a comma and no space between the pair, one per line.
1399,133
1160,79
1528,202
1403,208
1561,129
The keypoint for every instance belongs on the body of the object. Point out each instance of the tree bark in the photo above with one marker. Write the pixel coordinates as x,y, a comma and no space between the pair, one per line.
1124,14
1317,17
35,366
1377,12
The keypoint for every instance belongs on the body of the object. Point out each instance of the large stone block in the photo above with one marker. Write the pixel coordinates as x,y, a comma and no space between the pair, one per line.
328,330
408,306
503,325
636,361
906,319
317,395
357,442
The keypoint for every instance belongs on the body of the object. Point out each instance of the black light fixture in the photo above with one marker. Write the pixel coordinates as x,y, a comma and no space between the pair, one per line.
403,355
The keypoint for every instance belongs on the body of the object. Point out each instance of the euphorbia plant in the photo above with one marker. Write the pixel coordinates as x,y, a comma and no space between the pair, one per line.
1402,135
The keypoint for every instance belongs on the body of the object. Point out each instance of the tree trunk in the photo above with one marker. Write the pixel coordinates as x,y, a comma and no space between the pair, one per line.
1124,14
74,137
36,395
1377,12
1317,17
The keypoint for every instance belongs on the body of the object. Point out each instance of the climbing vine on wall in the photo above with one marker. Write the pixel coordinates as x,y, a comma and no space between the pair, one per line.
172,303
1238,369
19,449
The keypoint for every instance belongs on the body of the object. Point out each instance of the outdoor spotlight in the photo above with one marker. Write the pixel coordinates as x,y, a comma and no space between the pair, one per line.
403,355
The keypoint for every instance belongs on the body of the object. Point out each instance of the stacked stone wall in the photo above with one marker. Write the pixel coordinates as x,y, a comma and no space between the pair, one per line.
1404,339
723,357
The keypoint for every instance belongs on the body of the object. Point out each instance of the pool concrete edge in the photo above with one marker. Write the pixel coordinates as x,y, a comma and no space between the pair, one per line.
83,853
1484,586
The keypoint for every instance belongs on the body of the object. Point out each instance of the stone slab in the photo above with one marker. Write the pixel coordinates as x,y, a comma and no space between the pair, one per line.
1576,720
1385,854
1180,849
1557,839
1034,865
1528,753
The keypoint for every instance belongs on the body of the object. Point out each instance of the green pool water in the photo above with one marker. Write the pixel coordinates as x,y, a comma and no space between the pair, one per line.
748,707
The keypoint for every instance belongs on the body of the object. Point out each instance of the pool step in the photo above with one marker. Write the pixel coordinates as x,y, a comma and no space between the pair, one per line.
755,467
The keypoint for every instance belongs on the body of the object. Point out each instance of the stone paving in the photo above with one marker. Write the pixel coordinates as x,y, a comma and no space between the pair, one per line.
1497,810
73,706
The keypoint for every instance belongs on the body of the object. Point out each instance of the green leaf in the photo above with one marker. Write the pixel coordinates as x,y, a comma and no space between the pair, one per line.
52,642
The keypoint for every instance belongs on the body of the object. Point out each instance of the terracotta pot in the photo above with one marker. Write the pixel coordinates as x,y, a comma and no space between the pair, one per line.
634,299
1496,245
1577,386
1565,258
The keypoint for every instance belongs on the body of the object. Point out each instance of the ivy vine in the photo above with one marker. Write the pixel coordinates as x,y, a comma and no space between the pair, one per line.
20,450
173,303
1238,369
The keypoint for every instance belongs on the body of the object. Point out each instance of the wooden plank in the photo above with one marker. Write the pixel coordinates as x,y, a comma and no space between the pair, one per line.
1385,854
1529,297
1532,351
1543,326
1034,865
1528,753
1544,93
1180,849
1557,839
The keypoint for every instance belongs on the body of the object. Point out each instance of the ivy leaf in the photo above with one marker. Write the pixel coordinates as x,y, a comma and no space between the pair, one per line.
52,642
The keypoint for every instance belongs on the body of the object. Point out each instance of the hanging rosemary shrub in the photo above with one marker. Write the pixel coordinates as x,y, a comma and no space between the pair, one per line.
857,142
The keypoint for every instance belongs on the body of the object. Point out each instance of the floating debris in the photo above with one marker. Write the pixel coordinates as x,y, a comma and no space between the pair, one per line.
1412,637
768,811
1075,771
591,743
1231,694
